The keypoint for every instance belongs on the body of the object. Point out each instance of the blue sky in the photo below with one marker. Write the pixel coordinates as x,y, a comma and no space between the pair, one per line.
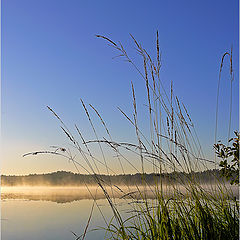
50,56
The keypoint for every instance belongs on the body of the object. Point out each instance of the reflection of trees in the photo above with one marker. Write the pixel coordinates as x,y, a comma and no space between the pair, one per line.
43,197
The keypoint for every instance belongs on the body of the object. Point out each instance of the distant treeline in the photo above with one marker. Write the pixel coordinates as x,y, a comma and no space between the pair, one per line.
62,178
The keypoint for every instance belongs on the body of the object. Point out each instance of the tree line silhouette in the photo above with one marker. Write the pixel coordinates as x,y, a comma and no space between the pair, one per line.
63,178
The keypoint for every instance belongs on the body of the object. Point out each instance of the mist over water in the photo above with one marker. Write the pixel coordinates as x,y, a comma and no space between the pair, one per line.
72,193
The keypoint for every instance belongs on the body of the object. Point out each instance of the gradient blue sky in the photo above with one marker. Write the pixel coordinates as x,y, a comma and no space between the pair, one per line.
50,56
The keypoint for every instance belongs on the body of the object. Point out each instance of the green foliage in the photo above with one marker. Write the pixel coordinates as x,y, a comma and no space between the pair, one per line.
230,159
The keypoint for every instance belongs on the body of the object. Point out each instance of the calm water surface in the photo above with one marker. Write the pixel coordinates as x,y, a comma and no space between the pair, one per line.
53,213
45,216
39,220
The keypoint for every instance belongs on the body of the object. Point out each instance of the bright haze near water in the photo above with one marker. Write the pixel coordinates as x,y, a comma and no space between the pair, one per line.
51,57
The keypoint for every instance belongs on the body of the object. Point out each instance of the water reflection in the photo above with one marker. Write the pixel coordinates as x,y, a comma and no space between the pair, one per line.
70,194
34,213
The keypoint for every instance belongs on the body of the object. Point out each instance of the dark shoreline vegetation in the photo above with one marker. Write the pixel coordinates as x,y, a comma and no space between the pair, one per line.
63,178
170,145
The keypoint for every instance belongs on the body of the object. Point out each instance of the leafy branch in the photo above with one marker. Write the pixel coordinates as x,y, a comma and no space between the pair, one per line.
230,159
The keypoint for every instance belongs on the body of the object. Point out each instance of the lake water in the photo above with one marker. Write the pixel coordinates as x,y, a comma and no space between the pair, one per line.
43,220
35,213
53,213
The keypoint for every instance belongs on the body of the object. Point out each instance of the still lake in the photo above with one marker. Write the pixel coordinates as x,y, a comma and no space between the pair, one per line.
53,213
50,213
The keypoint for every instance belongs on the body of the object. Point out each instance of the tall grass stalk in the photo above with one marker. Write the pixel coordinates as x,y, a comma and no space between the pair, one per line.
180,209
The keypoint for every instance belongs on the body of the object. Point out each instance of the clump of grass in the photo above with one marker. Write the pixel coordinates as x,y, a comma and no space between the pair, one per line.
190,211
